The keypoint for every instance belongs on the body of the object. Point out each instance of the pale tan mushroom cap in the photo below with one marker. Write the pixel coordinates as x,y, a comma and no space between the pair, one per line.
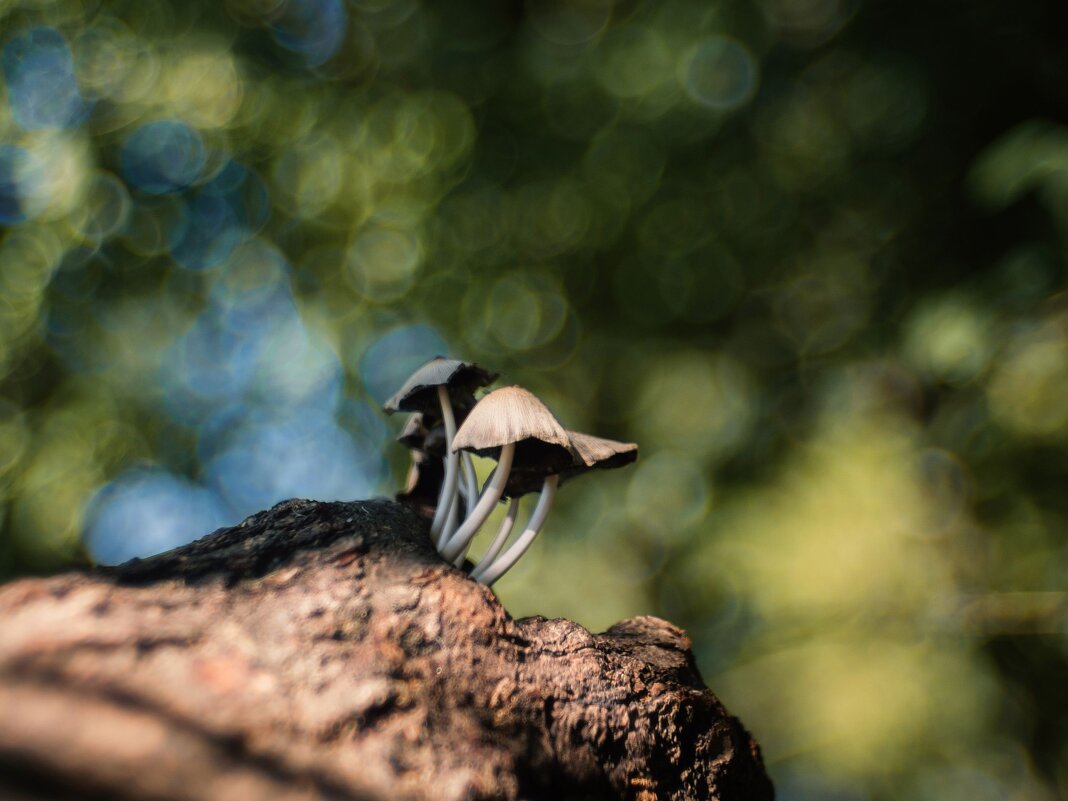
597,451
506,415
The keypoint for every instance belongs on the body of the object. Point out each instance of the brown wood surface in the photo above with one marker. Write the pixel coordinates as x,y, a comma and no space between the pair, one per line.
324,650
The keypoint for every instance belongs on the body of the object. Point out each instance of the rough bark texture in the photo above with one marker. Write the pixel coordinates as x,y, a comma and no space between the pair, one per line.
325,651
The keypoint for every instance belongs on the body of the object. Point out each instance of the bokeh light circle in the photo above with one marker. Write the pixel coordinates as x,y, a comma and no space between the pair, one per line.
391,358
635,61
313,29
306,456
105,209
162,156
667,492
520,311
155,224
383,262
719,73
39,75
145,511
21,179
223,213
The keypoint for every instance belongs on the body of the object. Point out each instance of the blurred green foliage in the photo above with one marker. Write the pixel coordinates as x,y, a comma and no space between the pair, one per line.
810,254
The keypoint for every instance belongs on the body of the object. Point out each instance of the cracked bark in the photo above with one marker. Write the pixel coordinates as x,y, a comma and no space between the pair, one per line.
325,651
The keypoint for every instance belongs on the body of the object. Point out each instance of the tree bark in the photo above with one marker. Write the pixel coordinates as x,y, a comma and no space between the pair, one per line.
325,651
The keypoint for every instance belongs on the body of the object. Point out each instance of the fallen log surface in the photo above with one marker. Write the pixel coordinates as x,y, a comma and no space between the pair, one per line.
325,651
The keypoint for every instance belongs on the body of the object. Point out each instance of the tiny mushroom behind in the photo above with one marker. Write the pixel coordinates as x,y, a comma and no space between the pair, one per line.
444,389
427,469
422,486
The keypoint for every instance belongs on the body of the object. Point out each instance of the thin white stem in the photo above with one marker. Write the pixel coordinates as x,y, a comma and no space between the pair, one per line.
504,563
459,560
448,487
470,482
477,516
501,538
453,520
455,517
471,495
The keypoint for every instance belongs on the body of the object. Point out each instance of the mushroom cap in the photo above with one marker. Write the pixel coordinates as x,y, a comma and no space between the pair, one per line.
506,415
416,435
423,484
413,433
514,415
601,453
419,392
590,453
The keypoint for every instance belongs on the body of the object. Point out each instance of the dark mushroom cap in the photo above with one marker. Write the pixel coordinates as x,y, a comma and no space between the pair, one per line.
514,415
419,393
417,437
589,452
413,433
425,477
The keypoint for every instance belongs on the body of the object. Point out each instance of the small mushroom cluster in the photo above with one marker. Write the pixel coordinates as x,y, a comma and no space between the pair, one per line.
534,453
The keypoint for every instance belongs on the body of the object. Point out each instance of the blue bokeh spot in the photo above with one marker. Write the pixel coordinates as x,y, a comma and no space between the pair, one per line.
148,510
223,213
314,29
41,88
394,356
162,156
270,459
20,175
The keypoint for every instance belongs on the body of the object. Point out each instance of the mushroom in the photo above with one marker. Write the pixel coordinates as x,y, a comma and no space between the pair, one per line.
415,436
531,448
502,533
427,469
590,453
423,484
434,389
600,453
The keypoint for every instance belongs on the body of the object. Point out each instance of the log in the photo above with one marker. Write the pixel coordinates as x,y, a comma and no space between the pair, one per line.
325,651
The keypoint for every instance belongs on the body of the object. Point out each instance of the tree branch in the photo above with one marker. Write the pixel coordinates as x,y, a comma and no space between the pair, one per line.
325,651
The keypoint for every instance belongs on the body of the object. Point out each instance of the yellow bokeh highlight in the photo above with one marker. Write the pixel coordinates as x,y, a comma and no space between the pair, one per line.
1027,390
306,178
694,402
383,262
635,60
201,86
844,531
847,559
577,579
861,704
949,338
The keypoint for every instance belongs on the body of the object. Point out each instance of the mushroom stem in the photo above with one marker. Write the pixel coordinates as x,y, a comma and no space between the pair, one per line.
448,487
477,516
453,520
504,563
455,517
470,482
469,504
502,536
